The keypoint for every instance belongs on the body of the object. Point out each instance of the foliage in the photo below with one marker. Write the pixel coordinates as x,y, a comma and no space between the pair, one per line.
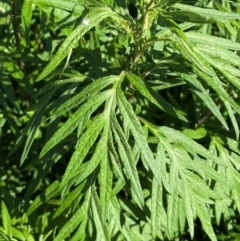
120,120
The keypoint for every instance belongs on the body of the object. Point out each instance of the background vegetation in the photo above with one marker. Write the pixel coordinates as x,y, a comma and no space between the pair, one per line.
119,120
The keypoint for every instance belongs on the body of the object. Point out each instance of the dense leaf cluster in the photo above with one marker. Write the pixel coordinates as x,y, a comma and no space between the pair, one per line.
119,120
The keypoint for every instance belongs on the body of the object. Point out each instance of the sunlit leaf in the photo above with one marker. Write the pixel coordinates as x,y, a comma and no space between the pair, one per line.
94,17
6,220
76,219
73,122
152,96
137,132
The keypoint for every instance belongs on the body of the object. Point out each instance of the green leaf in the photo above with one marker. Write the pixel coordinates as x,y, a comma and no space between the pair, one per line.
50,192
80,234
117,216
216,84
222,54
84,170
202,93
79,216
192,56
127,160
156,208
102,233
28,235
209,13
3,236
168,3
31,129
233,119
72,196
116,167
191,145
78,98
203,214
195,134
6,220
172,214
18,234
210,41
105,182
85,143
95,16
137,132
60,83
187,16
26,18
227,70
172,200
176,136
73,7
162,160
9,91
153,96
188,207
90,106
96,58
